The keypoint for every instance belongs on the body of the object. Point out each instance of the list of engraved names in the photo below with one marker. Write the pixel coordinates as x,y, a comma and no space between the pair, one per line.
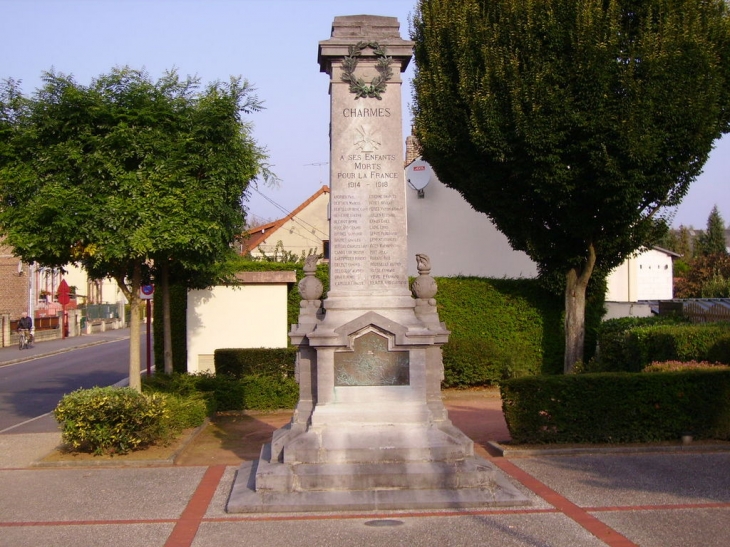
368,221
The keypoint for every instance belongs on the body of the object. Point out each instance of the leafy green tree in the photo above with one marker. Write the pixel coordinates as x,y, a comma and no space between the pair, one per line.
572,123
712,240
126,175
684,243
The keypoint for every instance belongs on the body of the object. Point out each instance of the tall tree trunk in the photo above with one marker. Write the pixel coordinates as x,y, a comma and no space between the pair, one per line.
135,302
575,311
166,318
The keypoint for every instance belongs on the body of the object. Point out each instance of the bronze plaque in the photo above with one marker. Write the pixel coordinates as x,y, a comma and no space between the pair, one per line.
371,364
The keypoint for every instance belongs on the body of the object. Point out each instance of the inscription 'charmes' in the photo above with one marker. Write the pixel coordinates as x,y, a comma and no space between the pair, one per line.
366,112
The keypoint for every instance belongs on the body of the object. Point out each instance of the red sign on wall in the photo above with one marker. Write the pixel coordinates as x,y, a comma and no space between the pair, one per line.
64,293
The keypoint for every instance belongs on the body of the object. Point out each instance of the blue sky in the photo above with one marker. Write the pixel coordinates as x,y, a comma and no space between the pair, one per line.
271,43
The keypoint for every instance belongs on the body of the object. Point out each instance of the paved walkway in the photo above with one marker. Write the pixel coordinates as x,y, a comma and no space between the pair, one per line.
654,499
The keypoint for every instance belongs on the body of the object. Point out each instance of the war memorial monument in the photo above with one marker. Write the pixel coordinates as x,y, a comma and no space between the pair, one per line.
370,431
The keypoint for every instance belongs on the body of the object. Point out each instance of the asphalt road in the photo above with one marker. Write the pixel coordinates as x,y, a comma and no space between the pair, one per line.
30,390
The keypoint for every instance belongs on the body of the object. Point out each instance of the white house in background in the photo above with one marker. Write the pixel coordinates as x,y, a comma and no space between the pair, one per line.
251,314
101,291
647,276
303,231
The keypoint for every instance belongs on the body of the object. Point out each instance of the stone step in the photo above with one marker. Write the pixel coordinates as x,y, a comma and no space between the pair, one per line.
467,473
364,444
245,498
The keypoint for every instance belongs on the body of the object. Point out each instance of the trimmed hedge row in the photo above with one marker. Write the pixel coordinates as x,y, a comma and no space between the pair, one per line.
262,361
630,345
618,407
500,328
224,392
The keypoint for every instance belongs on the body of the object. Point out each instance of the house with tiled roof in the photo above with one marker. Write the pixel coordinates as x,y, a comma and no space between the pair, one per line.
302,232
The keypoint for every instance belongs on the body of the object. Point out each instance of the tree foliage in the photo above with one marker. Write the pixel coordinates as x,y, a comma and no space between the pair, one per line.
571,124
712,240
126,173
707,276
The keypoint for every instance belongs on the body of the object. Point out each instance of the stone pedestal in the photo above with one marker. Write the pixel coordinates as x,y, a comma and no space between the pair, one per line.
370,430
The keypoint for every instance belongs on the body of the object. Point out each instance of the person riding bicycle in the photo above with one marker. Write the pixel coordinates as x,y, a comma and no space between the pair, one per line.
25,322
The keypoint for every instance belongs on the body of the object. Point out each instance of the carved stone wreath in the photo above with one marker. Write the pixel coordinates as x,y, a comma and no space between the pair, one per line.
358,85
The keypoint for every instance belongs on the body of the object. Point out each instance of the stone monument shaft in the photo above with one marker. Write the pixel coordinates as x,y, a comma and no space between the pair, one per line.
367,211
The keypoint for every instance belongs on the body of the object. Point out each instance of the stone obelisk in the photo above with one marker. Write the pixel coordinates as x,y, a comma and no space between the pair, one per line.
370,430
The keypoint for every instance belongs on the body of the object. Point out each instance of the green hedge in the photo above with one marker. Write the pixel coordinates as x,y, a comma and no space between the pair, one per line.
618,407
630,345
224,392
499,328
261,378
258,361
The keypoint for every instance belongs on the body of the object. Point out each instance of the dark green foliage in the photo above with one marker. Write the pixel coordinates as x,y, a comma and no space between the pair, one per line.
178,311
110,420
630,344
569,123
262,392
481,362
712,240
499,328
265,361
618,408
224,392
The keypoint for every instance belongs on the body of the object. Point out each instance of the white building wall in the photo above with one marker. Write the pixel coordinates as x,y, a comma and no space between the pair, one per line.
655,276
245,316
647,276
458,239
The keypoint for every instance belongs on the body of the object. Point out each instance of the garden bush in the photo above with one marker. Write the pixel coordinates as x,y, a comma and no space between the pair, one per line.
618,407
238,362
629,344
499,327
108,420
224,392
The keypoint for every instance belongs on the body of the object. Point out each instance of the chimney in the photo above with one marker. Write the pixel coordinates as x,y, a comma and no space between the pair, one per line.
413,150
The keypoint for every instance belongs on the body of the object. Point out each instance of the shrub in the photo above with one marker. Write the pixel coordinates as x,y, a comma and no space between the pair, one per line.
630,343
673,366
183,412
498,327
110,420
479,361
223,392
269,393
260,361
618,407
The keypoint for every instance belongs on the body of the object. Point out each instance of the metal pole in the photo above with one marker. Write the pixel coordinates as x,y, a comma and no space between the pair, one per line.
149,340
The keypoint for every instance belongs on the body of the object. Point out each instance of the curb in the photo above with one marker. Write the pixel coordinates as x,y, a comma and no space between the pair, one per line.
162,462
512,452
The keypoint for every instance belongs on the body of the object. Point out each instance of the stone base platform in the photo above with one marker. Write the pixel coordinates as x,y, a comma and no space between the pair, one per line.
272,487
